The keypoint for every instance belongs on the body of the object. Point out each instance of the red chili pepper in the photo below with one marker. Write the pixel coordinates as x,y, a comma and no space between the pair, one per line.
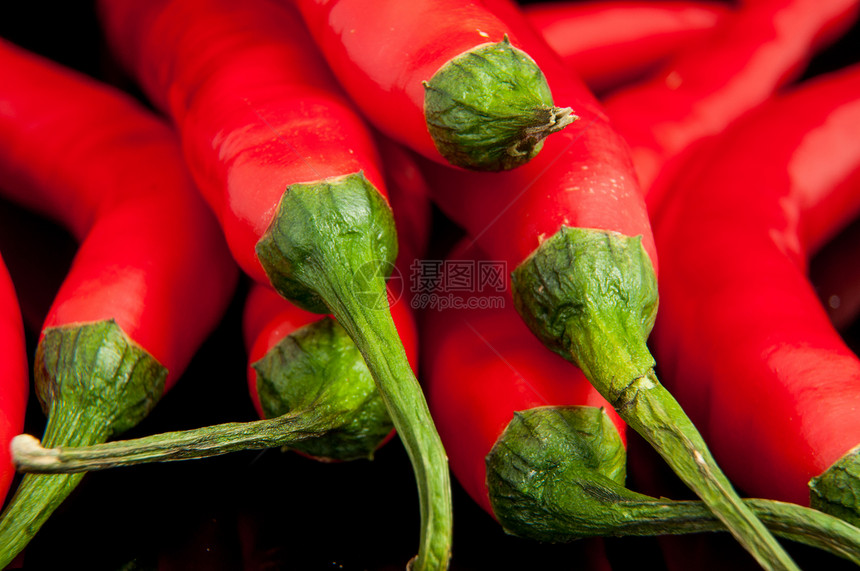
609,43
131,311
571,222
585,179
446,78
409,195
258,113
14,372
739,316
191,58
752,52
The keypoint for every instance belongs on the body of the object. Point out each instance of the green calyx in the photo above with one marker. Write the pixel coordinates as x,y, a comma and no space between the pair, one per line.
542,467
319,366
339,225
837,490
490,108
556,474
95,369
591,296
590,293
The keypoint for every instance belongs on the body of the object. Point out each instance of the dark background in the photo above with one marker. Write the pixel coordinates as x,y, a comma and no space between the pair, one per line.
263,510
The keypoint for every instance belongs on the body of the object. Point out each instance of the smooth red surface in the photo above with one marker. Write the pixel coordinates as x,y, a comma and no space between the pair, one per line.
741,337
750,54
610,42
583,176
409,194
482,365
383,52
254,105
151,255
15,375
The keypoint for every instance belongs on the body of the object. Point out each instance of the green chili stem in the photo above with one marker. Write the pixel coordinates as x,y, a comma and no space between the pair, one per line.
655,414
834,490
328,249
38,495
645,516
375,335
216,440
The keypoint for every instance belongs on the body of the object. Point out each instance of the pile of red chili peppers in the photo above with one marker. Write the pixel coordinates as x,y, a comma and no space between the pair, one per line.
586,270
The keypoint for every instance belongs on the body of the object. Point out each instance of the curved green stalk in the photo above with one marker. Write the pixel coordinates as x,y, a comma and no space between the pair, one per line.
557,474
591,296
286,430
329,248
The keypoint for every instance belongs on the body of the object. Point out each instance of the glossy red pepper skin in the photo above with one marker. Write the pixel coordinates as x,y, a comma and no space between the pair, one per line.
752,52
583,177
14,372
742,338
826,209
612,43
156,229
382,56
287,124
409,195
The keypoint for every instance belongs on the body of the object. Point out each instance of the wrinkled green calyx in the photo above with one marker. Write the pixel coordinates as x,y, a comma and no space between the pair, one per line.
545,462
490,108
341,226
590,295
329,248
96,368
319,365
580,278
556,474
837,490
